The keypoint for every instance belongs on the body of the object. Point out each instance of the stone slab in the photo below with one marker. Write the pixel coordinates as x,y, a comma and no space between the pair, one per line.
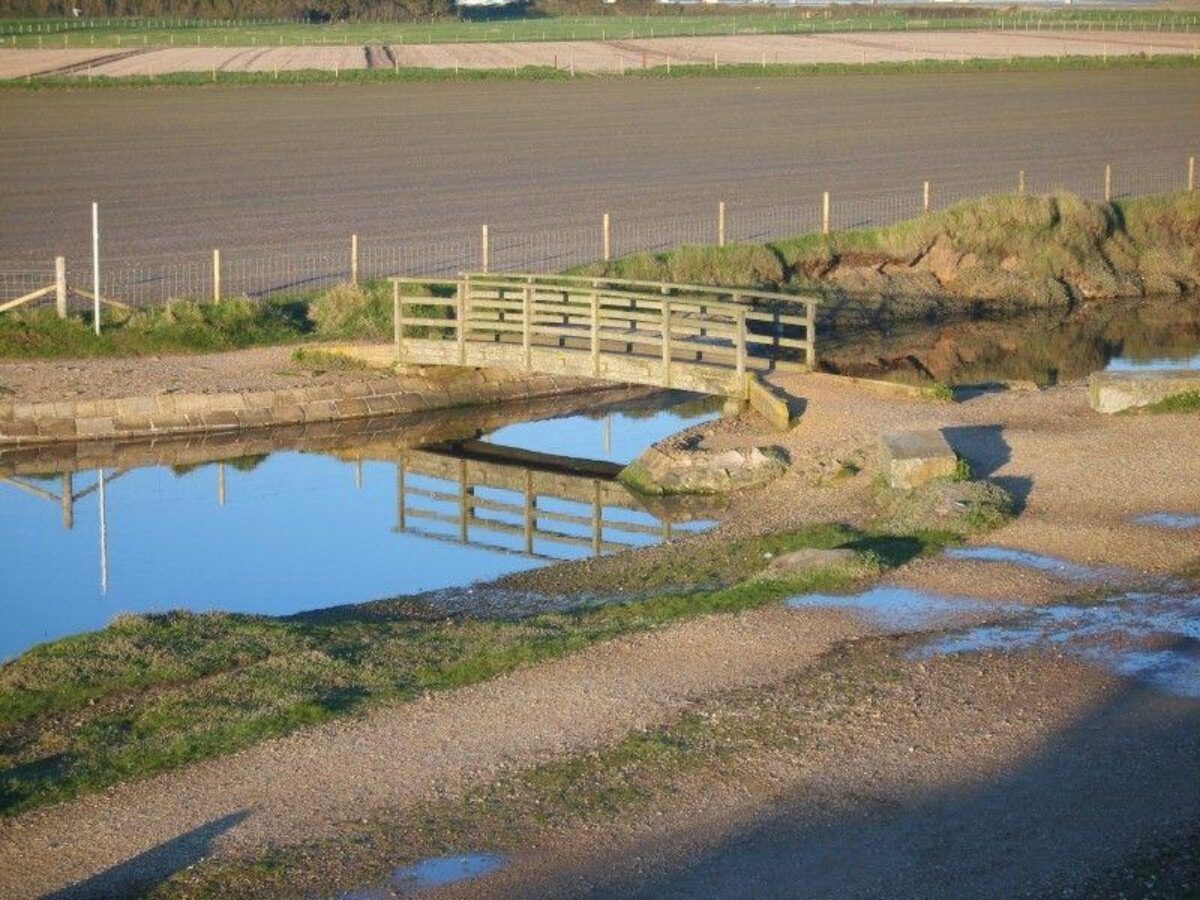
1114,392
910,459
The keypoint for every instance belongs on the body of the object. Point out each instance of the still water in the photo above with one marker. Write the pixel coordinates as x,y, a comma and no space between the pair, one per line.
293,530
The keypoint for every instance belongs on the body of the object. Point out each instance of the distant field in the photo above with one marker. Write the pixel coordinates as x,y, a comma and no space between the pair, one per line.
132,33
597,57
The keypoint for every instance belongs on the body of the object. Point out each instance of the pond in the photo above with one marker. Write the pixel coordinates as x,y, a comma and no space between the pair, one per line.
1044,348
318,524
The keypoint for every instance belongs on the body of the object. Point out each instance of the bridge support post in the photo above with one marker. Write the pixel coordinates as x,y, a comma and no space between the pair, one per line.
527,325
397,322
595,334
741,346
666,342
460,312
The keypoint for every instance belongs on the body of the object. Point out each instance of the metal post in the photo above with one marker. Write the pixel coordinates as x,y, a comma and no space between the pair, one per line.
216,276
721,224
485,250
607,239
103,509
354,259
220,484
96,266
60,286
825,213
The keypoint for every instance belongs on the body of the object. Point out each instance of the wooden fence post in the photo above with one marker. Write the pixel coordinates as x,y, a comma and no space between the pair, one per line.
1107,183
825,213
216,272
60,286
460,297
485,250
925,199
721,224
607,239
1021,182
354,259
1191,181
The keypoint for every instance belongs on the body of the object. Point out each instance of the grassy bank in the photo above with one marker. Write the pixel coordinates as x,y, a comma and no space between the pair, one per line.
997,254
184,326
547,73
152,692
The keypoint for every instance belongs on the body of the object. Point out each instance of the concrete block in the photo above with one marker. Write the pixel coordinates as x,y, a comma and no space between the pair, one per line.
1113,392
910,459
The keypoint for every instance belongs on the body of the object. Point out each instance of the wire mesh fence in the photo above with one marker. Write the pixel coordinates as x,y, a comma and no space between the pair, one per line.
259,273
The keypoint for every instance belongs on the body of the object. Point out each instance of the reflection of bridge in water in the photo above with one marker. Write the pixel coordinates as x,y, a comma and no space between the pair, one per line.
534,504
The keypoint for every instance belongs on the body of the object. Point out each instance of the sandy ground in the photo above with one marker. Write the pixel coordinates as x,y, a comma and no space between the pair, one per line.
620,55
258,369
1000,749
415,169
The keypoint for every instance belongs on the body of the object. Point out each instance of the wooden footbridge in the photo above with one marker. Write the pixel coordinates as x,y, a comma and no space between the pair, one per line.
690,337
531,504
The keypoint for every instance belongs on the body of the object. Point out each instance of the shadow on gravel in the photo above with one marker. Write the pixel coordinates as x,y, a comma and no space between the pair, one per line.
986,450
142,872
1085,800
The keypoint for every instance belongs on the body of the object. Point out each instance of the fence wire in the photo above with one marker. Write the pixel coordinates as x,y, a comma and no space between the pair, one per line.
260,273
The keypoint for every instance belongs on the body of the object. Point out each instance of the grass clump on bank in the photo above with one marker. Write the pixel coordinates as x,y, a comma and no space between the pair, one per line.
153,692
1184,402
342,312
179,327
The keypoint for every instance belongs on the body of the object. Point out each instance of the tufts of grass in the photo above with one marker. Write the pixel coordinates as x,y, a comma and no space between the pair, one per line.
179,327
152,692
1184,402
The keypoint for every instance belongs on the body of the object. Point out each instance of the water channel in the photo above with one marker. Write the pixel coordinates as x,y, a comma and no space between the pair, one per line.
328,519
280,522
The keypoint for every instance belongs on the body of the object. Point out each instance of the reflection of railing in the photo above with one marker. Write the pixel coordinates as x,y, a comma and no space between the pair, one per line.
521,506
697,338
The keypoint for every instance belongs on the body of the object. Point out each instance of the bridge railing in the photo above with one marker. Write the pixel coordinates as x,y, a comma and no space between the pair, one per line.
541,321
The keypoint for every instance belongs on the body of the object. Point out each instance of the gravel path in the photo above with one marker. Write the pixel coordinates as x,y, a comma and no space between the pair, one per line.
301,787
258,369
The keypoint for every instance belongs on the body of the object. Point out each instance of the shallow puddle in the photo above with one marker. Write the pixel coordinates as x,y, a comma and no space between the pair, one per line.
896,608
1040,562
1154,638
1179,521
435,872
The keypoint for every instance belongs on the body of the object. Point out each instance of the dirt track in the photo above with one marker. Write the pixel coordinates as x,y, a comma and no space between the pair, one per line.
293,167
